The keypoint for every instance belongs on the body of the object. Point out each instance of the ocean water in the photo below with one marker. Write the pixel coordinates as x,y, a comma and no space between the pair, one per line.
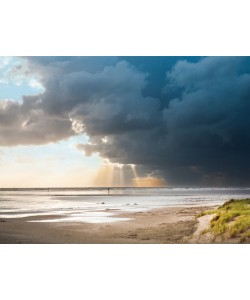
100,205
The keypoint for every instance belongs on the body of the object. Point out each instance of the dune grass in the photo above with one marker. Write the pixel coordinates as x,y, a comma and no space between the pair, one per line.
206,212
231,220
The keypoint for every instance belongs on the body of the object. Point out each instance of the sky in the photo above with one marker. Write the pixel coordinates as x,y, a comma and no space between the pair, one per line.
124,121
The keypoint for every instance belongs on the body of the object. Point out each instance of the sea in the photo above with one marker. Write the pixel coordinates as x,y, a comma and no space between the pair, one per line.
104,205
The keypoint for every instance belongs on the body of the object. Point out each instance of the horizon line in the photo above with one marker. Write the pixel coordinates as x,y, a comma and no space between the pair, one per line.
118,187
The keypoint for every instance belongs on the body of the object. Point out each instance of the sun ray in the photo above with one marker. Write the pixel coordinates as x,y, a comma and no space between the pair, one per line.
133,168
104,175
121,175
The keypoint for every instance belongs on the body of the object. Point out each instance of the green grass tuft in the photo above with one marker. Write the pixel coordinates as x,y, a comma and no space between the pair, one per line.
232,220
206,212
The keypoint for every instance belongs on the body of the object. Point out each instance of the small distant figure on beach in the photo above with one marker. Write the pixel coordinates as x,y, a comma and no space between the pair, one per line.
108,190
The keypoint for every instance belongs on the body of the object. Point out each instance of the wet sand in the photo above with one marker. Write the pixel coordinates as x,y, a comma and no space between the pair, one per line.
168,225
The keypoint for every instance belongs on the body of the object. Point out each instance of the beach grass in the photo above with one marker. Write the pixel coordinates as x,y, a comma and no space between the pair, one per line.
231,220
206,212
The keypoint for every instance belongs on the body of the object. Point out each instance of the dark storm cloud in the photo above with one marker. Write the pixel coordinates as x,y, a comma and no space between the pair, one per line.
203,133
156,68
51,65
104,100
208,125
28,124
184,118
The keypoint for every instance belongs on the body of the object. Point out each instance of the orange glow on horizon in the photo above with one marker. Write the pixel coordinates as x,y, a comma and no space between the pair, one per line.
119,175
149,182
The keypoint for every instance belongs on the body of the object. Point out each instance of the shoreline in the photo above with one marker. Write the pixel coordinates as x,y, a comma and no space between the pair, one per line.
170,225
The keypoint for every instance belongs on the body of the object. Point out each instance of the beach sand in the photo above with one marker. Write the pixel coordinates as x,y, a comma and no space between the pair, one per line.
168,225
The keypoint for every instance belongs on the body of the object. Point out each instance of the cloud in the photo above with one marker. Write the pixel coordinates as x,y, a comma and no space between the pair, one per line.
106,101
26,123
208,123
201,136
194,132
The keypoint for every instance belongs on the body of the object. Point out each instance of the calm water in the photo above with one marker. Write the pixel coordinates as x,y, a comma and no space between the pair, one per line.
100,205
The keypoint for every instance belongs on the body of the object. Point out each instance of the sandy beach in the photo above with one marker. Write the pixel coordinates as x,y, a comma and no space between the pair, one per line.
168,225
